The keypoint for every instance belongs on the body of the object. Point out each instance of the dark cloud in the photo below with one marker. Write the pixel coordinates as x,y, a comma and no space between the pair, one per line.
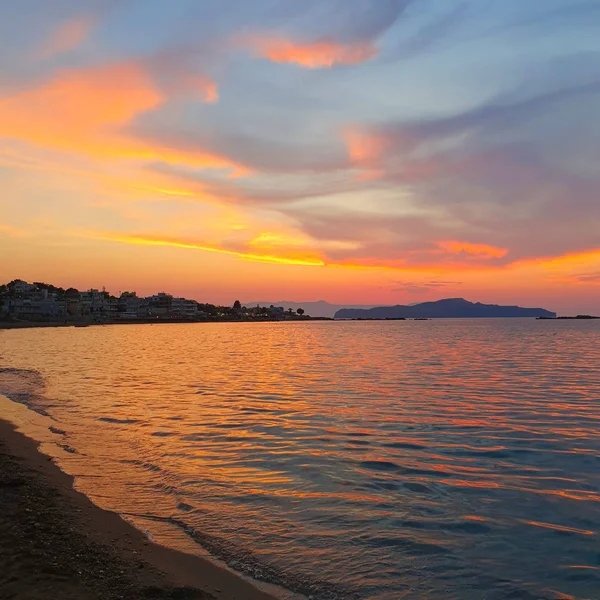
588,278
409,287
260,154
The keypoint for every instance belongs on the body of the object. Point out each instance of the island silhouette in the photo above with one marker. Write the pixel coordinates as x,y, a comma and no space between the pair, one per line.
440,309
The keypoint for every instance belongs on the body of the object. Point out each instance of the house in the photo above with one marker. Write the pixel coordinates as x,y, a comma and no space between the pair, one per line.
34,308
184,308
159,304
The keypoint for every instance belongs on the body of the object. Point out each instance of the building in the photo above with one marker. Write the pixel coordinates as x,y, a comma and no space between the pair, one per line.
182,307
159,304
35,308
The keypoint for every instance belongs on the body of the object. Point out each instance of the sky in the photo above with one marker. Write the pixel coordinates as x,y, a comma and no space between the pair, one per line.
356,151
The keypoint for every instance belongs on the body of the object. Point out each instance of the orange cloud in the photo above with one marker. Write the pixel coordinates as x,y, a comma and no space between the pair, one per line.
288,249
314,55
573,260
377,152
68,36
371,150
365,149
273,248
209,90
70,111
86,111
574,268
480,250
147,240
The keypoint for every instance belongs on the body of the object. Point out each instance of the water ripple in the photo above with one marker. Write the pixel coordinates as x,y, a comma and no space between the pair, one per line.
343,460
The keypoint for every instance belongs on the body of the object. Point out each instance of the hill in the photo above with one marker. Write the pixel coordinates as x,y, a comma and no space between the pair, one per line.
442,309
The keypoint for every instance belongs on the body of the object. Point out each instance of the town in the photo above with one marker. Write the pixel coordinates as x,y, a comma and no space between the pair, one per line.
23,303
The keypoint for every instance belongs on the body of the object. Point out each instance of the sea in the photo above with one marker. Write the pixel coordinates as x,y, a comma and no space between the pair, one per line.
376,460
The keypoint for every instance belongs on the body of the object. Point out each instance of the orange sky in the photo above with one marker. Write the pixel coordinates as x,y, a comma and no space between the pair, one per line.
285,158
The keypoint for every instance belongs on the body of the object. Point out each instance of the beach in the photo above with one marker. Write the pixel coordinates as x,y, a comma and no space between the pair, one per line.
54,543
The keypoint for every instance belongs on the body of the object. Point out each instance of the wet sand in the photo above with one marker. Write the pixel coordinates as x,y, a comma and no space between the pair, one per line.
54,543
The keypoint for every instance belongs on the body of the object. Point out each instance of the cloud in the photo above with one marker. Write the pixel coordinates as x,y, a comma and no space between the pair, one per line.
266,247
182,70
67,36
571,262
268,157
87,111
326,34
480,250
294,258
434,31
410,287
75,104
487,173
362,20
588,278
314,55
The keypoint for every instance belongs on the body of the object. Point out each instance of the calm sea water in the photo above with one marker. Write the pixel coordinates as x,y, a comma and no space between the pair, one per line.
375,460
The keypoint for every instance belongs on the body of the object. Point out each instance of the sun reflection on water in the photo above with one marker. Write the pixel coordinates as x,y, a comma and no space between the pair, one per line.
445,459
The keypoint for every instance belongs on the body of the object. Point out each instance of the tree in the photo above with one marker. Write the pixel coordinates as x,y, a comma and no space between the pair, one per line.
300,311
237,305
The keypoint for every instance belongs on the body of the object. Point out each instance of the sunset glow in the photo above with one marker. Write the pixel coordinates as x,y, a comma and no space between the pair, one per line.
402,153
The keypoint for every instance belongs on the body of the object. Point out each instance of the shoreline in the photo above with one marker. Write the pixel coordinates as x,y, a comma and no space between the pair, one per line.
54,542
46,324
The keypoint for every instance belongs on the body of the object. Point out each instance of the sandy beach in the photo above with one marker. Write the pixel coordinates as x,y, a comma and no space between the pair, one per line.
54,543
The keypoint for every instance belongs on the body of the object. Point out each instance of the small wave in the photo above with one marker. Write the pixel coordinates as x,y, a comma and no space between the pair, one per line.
380,465
391,467
24,386
245,561
404,445
420,488
414,548
119,421
145,465
68,448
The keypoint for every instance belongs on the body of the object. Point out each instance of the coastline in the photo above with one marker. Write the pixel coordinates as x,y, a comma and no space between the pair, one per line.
44,324
54,542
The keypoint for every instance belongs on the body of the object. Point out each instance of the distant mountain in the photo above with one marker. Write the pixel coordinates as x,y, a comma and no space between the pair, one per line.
314,309
448,308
